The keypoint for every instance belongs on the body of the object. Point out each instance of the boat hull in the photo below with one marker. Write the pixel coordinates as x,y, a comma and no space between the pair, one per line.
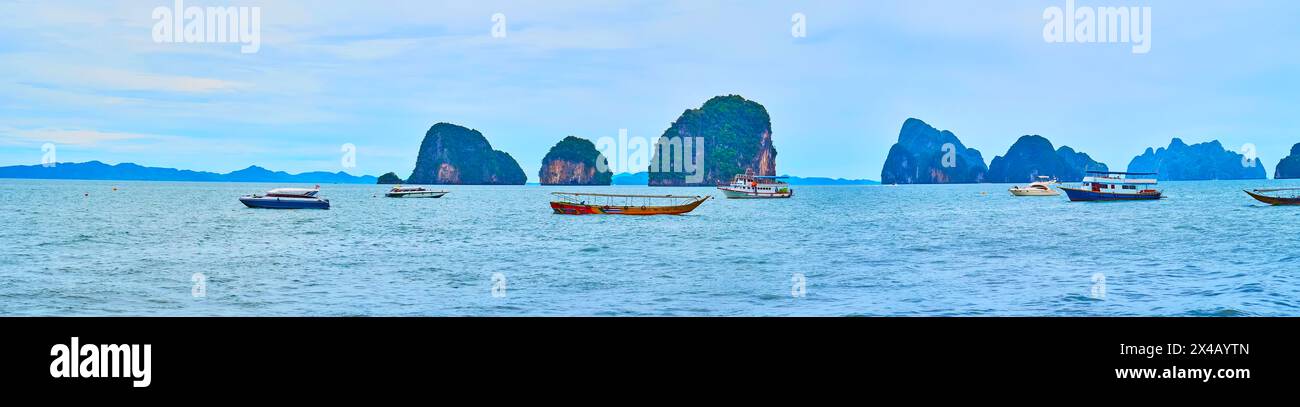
1033,192
284,203
739,194
1273,200
1084,195
568,208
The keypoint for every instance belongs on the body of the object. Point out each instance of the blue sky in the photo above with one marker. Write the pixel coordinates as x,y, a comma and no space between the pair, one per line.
88,77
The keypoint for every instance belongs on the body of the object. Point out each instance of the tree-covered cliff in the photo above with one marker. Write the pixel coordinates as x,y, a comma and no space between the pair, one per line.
452,154
1033,156
737,136
1289,167
574,161
389,178
925,155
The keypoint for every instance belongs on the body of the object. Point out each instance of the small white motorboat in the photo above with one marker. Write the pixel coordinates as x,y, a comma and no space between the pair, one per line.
413,192
286,198
1042,187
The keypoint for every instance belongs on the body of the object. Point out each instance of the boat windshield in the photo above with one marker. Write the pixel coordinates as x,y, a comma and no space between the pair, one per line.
292,192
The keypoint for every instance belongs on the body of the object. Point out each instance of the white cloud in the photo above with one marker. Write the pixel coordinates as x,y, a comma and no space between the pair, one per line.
129,142
371,49
124,80
560,39
78,137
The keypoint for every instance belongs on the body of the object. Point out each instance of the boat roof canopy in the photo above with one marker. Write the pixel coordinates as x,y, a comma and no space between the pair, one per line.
1117,181
624,195
1276,189
293,191
1121,173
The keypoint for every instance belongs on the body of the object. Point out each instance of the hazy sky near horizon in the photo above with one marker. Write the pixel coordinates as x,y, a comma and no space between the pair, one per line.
89,77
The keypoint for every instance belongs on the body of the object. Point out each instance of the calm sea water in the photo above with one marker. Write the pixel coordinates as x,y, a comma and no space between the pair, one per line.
908,250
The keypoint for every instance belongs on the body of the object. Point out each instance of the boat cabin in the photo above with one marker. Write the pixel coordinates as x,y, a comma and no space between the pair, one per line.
1119,182
292,193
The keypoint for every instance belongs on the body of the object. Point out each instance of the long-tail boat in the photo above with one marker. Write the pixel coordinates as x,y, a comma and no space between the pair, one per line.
1275,199
571,203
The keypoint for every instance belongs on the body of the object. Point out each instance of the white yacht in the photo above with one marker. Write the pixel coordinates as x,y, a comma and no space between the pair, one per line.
1041,187
287,198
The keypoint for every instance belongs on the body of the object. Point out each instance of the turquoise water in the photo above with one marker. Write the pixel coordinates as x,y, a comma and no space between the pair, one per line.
862,250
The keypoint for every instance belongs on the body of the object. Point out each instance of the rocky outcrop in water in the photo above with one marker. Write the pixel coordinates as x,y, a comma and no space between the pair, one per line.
737,137
1032,156
1289,167
574,161
1203,161
389,178
925,155
452,154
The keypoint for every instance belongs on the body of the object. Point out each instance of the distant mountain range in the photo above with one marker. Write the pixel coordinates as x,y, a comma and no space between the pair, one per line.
1201,161
828,181
641,178
95,170
925,155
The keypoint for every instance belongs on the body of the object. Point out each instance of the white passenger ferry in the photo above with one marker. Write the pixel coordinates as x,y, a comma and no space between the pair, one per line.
750,186
1115,186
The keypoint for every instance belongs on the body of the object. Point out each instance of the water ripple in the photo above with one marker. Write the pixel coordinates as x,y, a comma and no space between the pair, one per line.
911,250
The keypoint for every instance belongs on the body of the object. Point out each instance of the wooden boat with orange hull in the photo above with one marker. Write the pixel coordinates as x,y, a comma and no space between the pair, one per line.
570,203
1260,195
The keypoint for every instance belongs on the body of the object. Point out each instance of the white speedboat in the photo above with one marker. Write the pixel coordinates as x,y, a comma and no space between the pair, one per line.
413,192
1042,187
750,186
287,198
